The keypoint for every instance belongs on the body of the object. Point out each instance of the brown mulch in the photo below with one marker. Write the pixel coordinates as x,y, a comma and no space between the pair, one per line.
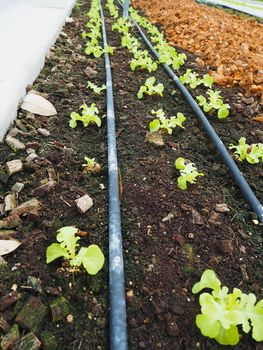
231,44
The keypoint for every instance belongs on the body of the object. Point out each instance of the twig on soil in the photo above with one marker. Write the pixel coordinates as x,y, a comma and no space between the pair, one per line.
64,201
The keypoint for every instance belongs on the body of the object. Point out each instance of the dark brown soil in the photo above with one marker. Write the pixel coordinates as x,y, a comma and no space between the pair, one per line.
164,257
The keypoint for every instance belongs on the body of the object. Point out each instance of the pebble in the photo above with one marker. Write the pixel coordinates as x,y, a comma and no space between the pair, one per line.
84,203
225,246
43,132
18,186
14,166
90,72
222,208
15,144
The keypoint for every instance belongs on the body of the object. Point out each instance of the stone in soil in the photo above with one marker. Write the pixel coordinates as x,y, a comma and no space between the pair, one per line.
15,144
32,315
90,73
222,208
84,203
10,202
11,338
43,132
225,246
29,342
59,309
14,166
48,341
9,299
18,186
35,283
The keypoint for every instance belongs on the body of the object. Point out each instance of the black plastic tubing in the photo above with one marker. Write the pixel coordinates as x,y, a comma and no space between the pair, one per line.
118,322
239,178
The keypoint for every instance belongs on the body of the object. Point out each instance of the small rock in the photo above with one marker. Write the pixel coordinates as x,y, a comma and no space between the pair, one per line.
8,300
18,186
11,338
222,208
29,342
13,132
43,132
10,202
90,73
225,246
178,239
32,315
15,144
45,189
48,341
3,177
35,283
102,187
14,166
52,291
197,218
32,156
59,309
84,203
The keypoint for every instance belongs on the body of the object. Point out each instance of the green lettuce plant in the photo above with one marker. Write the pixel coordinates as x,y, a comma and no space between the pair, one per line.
251,153
150,89
214,102
95,88
222,312
188,173
113,11
166,124
90,257
122,25
142,60
130,42
88,116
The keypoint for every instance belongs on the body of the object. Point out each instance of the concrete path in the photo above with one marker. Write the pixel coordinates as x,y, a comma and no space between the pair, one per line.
253,8
28,28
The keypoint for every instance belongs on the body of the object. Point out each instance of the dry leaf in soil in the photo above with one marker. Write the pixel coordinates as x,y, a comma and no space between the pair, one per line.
7,246
38,105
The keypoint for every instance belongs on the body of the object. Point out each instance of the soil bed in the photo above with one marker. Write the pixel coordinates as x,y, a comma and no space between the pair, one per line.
170,236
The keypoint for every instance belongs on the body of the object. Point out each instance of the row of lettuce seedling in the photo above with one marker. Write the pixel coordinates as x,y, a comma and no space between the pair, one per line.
221,312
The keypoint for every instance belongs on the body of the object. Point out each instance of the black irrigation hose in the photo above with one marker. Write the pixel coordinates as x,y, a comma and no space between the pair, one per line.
239,178
118,323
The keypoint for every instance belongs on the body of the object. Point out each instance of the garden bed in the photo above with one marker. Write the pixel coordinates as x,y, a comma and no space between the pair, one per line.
170,236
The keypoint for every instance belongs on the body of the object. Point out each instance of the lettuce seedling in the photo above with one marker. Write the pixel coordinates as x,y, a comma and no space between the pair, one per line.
91,166
150,89
89,116
222,312
164,123
188,173
214,102
90,257
130,42
207,80
122,25
95,88
251,153
113,11
190,78
142,60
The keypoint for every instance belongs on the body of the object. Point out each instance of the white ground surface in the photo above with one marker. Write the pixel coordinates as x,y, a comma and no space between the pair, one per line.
254,8
28,28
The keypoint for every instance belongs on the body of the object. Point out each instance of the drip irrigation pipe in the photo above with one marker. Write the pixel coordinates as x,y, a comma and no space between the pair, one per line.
126,8
233,168
118,323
